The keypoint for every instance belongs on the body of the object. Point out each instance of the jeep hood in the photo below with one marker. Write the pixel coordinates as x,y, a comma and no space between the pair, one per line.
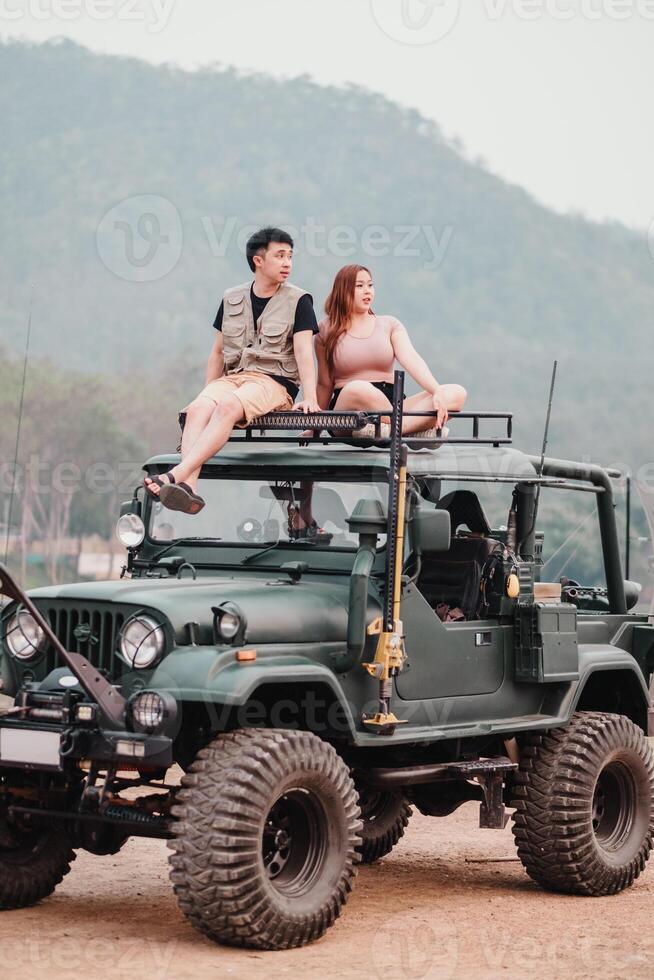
276,610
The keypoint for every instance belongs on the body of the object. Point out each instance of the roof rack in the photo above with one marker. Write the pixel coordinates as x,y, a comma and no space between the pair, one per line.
348,422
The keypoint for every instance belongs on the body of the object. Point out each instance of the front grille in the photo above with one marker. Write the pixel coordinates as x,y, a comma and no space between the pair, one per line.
97,626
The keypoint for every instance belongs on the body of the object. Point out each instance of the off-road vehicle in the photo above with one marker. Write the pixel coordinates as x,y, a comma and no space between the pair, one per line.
340,635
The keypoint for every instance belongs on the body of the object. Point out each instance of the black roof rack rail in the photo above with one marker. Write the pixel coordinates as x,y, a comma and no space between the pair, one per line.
347,422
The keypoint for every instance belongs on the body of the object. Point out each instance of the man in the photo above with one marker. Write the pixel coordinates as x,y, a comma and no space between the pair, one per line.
262,353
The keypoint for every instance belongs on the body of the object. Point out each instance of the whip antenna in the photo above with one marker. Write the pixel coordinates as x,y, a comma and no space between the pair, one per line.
547,424
541,465
20,419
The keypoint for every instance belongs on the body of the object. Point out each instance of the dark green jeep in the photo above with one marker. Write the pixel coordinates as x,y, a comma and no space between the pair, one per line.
341,633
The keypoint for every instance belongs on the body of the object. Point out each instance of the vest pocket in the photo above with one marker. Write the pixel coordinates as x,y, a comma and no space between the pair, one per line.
274,335
235,304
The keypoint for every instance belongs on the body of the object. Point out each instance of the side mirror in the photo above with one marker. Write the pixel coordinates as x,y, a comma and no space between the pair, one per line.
431,530
132,506
632,592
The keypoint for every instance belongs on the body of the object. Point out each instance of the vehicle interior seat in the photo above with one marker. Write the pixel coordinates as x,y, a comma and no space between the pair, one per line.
452,578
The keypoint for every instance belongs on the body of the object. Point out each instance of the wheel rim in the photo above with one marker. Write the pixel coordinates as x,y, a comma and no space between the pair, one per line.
294,841
614,806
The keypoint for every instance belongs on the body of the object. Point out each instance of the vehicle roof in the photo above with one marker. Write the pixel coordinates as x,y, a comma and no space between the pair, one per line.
448,460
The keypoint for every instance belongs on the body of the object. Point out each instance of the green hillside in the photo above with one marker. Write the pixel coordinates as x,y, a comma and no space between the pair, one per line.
516,284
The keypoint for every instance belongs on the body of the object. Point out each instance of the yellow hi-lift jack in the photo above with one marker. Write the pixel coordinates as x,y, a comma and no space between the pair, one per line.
390,655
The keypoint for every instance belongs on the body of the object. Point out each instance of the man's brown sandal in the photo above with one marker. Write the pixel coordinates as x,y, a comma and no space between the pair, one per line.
159,482
181,497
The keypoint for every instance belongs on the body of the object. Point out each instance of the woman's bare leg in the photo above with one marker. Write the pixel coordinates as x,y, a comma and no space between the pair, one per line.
363,396
453,395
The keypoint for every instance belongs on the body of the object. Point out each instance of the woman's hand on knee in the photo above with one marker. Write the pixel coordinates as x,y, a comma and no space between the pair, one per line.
440,408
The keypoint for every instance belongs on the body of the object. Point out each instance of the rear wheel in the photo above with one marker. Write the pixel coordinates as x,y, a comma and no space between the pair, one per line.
584,797
384,816
33,860
265,841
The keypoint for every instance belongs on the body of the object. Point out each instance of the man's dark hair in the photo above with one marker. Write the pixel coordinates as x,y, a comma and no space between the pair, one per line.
261,239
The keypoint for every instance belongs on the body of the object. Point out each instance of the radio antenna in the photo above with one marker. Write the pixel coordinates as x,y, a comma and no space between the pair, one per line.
547,425
541,465
20,420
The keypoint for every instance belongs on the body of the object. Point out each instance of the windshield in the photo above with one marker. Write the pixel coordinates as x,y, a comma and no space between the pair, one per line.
259,512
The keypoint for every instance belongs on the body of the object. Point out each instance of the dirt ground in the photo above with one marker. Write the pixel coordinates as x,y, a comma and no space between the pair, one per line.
451,901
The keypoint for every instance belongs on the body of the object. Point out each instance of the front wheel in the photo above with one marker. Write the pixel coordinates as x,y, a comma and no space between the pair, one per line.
584,799
266,831
33,860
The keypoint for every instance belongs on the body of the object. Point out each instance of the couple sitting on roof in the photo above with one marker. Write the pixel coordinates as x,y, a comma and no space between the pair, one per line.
263,352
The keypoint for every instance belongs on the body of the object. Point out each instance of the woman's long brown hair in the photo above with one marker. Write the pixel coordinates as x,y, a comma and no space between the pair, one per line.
339,306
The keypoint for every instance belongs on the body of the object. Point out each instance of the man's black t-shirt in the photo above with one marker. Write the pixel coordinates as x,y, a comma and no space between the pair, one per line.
305,319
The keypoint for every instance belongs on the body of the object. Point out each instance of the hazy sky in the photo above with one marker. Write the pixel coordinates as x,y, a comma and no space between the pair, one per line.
555,95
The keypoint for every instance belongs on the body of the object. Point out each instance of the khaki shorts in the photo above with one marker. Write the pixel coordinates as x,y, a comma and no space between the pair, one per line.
258,393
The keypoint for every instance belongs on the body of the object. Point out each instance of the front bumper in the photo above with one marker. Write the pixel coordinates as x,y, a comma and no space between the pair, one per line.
43,731
26,745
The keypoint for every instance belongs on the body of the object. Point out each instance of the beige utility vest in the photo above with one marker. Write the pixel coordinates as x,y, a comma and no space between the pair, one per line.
266,346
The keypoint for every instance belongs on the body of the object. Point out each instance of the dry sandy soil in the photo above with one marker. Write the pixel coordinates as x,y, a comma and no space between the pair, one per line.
451,901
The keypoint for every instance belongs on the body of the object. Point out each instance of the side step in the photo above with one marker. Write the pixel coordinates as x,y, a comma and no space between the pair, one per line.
489,773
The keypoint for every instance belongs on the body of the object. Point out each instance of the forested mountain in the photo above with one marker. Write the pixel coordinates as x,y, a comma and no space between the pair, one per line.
491,285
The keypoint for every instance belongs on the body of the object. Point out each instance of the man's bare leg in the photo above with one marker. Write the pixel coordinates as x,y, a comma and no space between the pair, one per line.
198,415
211,440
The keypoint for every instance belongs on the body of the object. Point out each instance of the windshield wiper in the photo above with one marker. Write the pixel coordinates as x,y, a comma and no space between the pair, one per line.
270,546
173,544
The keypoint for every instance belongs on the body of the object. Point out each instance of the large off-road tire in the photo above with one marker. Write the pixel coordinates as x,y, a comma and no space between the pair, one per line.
384,816
32,862
584,805
266,830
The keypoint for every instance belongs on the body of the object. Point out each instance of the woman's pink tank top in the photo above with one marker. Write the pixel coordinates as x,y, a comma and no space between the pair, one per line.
369,358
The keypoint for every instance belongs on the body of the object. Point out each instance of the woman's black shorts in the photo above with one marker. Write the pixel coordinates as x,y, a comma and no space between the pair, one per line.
385,387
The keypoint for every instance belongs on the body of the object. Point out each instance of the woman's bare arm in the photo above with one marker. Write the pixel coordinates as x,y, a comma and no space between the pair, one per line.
412,362
417,367
325,387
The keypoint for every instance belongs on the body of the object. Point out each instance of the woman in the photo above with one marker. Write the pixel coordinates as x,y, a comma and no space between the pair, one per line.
357,350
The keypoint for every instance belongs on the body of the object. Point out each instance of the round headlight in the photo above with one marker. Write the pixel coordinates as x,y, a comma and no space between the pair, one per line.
148,710
130,530
24,636
229,625
141,641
